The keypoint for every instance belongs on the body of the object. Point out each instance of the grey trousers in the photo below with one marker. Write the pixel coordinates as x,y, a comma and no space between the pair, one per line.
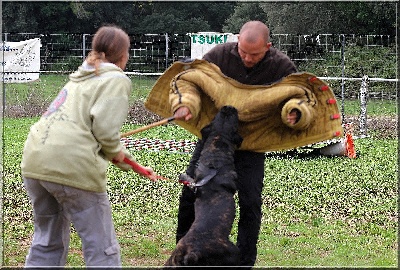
55,207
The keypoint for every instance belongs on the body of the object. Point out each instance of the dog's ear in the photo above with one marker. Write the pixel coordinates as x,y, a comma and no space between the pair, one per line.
204,173
205,131
237,139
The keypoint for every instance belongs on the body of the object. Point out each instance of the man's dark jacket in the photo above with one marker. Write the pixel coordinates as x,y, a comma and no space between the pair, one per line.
272,68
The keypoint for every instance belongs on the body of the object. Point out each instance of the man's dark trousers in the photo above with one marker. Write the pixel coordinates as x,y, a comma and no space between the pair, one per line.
250,170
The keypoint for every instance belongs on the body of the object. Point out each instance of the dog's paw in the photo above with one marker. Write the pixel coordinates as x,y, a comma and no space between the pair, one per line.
190,259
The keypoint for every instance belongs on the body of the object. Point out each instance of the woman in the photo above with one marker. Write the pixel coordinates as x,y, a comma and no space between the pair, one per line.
67,153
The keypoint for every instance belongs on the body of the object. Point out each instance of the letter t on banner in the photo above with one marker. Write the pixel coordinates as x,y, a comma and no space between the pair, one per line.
202,42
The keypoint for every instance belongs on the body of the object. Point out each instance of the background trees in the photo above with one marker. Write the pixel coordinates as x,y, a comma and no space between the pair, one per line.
187,17
331,17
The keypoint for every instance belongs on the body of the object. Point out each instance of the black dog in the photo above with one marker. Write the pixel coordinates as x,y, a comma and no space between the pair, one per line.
207,241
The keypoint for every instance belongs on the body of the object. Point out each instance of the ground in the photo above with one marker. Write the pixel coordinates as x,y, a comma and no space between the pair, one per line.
384,127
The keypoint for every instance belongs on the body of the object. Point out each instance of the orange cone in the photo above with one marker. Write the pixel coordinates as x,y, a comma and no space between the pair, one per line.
350,149
344,147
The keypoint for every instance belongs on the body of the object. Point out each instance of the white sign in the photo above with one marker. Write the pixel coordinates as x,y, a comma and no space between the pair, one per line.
202,42
20,61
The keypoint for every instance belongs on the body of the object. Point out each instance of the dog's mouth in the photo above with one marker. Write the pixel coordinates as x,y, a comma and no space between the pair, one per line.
229,118
227,130
230,110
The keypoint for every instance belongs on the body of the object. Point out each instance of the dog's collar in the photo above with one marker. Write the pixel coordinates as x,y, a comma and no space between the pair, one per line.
189,181
207,178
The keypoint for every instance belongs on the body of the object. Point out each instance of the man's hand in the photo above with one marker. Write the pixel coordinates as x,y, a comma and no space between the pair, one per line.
183,113
293,117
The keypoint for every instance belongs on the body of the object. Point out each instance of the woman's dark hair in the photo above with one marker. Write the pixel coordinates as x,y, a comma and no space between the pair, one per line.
110,43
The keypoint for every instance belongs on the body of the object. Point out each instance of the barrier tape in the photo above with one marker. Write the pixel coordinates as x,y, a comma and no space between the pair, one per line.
181,146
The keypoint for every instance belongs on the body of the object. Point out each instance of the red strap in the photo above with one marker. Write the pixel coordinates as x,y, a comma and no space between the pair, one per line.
185,182
136,167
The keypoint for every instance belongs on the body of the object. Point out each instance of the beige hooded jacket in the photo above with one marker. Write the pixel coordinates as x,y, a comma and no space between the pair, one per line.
79,134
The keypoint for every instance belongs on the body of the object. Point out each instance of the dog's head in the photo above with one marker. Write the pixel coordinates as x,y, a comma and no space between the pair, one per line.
221,139
225,124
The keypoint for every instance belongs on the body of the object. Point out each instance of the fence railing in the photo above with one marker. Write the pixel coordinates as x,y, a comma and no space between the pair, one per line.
155,52
335,55
148,53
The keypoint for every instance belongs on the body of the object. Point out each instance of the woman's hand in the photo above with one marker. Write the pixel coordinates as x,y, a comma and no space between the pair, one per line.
119,157
151,175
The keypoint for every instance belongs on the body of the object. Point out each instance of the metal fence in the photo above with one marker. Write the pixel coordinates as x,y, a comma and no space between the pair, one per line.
335,54
148,53
155,52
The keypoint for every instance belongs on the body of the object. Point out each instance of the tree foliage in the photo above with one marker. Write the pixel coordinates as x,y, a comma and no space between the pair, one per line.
179,17
134,16
244,12
331,17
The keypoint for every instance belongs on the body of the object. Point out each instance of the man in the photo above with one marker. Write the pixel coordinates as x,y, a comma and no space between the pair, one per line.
251,60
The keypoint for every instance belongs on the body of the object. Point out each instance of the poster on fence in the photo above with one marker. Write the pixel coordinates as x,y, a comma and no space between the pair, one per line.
202,42
20,61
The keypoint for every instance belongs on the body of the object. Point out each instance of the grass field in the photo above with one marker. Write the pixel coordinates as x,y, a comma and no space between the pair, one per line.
40,93
317,211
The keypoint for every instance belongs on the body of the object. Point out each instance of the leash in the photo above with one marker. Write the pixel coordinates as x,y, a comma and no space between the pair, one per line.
187,181
136,167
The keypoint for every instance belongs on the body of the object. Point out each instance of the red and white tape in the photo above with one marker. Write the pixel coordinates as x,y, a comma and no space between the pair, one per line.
181,146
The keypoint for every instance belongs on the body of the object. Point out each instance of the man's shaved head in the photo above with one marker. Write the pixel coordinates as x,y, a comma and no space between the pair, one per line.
254,30
253,42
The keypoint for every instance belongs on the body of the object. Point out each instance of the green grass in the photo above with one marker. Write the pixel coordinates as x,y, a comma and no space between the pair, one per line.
316,211
374,107
47,87
43,91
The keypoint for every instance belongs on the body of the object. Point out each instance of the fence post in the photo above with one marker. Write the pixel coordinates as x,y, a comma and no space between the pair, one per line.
3,102
363,105
343,81
166,50
84,46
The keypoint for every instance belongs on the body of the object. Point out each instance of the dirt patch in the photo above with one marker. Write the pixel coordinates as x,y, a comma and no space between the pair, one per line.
382,127
139,115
